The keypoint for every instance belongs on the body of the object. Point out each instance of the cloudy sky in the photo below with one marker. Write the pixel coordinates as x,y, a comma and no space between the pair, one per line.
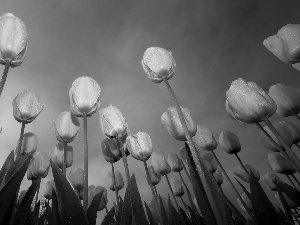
213,42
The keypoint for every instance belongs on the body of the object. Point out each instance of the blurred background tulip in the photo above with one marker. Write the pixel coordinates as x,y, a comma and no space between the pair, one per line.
154,177
158,63
177,187
175,162
271,179
210,162
229,142
111,150
243,175
160,164
204,139
39,166
140,146
58,156
76,178
118,180
50,185
29,143
219,176
280,164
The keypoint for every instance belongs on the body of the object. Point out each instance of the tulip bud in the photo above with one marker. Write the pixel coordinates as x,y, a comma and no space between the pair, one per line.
175,162
205,139
140,146
280,164
295,131
284,131
27,106
241,173
219,176
76,178
118,179
29,143
84,96
287,99
160,164
92,191
104,199
247,202
229,142
21,195
112,122
286,44
248,102
39,166
66,127
271,179
234,116
291,204
50,185
58,156
111,150
13,40
154,177
158,63
210,162
177,187
171,120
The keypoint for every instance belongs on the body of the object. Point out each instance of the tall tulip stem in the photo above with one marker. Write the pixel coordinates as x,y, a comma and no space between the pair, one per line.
4,76
122,150
20,140
115,187
242,164
65,158
86,165
188,193
177,207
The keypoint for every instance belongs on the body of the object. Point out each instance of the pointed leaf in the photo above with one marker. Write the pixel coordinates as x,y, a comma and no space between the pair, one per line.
163,213
291,192
55,220
194,218
92,210
184,216
7,164
109,218
237,214
149,214
173,216
126,216
48,213
286,208
244,189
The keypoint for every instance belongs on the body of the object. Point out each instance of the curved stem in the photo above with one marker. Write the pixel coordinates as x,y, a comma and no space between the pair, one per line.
243,166
4,76
115,187
86,165
188,193
177,207
122,150
292,183
20,140
65,158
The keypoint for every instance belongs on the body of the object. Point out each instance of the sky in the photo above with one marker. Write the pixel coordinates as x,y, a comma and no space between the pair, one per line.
213,42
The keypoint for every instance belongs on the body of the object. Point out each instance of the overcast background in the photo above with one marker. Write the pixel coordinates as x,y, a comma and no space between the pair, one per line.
213,42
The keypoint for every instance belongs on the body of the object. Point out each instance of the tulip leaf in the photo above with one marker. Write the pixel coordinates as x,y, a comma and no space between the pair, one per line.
109,218
149,214
8,193
162,213
184,216
262,207
174,217
7,164
55,220
244,188
194,218
126,214
92,210
237,214
286,208
70,208
48,213
291,192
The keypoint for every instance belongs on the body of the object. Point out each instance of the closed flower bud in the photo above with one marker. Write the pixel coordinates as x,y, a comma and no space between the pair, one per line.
20,198
295,132
160,164
29,143
280,164
84,96
229,142
119,181
286,44
284,131
271,179
158,63
291,204
210,162
13,40
58,156
76,178
241,173
171,120
248,102
111,150
154,177
175,162
139,146
50,185
247,201
27,106
66,127
177,187
205,139
234,116
112,122
39,166
219,176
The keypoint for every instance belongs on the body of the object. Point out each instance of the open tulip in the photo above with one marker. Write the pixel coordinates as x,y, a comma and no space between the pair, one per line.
271,179
158,63
160,164
243,175
58,156
84,96
287,99
175,162
286,44
111,150
177,187
248,102
76,178
229,142
210,162
295,131
50,185
140,146
171,120
27,106
280,164
39,166
29,143
66,127
113,123
118,179
154,177
205,139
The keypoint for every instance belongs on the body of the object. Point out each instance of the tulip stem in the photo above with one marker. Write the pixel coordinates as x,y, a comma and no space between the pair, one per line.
186,209
106,209
65,159
115,187
292,183
293,176
122,150
177,207
4,76
20,140
235,190
86,165
155,190
243,166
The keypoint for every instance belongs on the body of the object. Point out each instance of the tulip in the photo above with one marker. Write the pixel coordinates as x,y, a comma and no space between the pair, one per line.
140,146
271,179
219,176
243,175
154,177
20,198
112,122
160,164
295,132
111,150
58,156
286,44
104,200
95,190
280,164
66,127
118,179
291,204
177,187
76,178
229,142
175,162
205,139
50,185
158,63
39,166
248,102
210,162
29,143
287,99
247,201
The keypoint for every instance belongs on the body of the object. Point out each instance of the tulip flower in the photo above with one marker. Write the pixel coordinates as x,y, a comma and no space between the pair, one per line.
50,185
219,176
140,146
295,132
248,102
154,177
39,166
20,198
286,44
158,63
29,143
118,180
160,164
229,142
271,179
280,164
175,162
171,120
76,178
210,162
177,187
243,175
205,139
111,150
247,201
287,99
58,156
